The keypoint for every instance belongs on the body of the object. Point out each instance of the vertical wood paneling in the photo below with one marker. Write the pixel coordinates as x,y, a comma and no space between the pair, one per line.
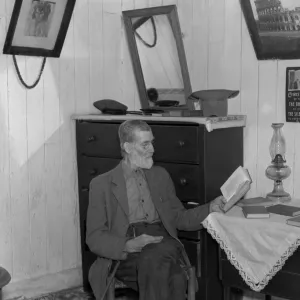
249,105
19,173
111,48
126,5
141,4
216,11
53,178
36,166
68,186
6,257
266,116
51,101
96,57
17,116
128,84
185,12
81,55
153,3
170,2
198,74
232,53
54,218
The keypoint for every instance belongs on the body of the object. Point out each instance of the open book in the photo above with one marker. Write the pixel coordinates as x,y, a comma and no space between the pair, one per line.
235,187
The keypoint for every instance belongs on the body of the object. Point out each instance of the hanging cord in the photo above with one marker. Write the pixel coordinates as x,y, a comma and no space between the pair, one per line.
154,33
20,77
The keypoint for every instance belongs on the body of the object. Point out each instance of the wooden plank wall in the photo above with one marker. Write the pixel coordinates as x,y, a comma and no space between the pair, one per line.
39,201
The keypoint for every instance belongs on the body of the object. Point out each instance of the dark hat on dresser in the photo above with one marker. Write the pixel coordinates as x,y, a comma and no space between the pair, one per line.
112,107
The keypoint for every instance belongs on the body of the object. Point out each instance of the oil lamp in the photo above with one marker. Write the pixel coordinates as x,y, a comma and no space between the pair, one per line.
278,171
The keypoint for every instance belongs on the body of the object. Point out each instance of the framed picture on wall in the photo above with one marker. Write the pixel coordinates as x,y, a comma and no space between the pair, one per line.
38,27
274,27
292,94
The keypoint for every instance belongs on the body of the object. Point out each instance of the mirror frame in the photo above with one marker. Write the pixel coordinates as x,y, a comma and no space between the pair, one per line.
171,12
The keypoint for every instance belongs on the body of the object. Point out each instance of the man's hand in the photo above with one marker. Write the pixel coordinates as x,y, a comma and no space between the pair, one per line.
217,205
137,244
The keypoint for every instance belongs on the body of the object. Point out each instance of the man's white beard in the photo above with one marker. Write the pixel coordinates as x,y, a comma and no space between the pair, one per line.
141,161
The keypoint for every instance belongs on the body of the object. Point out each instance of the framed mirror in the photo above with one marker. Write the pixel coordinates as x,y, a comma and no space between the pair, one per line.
158,57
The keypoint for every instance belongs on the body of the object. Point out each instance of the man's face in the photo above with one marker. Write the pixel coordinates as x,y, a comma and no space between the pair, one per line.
141,149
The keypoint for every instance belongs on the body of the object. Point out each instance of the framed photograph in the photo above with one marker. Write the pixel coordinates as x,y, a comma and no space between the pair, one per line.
38,27
292,94
274,27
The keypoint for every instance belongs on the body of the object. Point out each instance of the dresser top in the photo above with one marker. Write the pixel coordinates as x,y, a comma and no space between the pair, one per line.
211,123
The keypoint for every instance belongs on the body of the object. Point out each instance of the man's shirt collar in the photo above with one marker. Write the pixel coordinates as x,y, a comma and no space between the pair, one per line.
129,171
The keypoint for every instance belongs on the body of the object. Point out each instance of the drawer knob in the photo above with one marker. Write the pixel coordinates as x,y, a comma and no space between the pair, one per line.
84,189
183,181
181,143
91,138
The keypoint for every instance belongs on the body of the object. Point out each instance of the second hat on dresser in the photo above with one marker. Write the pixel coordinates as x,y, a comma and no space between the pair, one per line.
213,102
112,107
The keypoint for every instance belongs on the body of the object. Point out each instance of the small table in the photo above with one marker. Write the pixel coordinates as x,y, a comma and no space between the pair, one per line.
285,282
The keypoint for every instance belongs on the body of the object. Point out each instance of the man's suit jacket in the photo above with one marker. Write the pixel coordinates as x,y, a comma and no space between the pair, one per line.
107,217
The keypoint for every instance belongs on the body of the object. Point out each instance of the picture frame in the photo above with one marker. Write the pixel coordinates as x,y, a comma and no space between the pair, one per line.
274,28
292,94
38,27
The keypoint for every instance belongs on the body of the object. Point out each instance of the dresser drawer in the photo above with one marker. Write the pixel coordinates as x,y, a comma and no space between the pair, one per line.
91,167
98,139
176,143
188,181
172,143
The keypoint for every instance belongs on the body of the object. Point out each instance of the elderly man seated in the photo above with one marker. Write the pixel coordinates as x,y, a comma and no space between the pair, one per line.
133,217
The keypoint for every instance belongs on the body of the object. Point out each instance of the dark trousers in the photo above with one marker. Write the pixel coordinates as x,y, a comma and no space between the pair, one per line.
156,271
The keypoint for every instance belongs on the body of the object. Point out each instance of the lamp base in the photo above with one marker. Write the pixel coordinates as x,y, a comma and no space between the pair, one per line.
279,196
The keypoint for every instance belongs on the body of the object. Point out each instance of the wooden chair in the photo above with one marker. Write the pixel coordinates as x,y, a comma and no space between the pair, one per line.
112,292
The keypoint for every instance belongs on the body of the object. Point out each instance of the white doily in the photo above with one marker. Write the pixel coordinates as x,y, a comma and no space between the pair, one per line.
257,248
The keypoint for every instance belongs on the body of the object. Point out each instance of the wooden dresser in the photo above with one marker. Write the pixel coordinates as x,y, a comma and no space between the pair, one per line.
198,161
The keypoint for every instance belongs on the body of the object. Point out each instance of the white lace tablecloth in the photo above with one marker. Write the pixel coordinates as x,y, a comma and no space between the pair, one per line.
258,248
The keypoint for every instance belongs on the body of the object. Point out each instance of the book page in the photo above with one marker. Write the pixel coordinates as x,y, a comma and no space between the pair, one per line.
245,187
234,183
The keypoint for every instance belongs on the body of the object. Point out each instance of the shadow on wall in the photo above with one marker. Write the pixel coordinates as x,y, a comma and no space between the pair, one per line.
39,222
38,170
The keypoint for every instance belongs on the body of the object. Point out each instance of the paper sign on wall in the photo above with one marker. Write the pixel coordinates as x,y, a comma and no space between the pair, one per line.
292,94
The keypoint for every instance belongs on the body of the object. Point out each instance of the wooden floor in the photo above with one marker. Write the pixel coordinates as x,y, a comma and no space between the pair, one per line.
69,294
79,294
